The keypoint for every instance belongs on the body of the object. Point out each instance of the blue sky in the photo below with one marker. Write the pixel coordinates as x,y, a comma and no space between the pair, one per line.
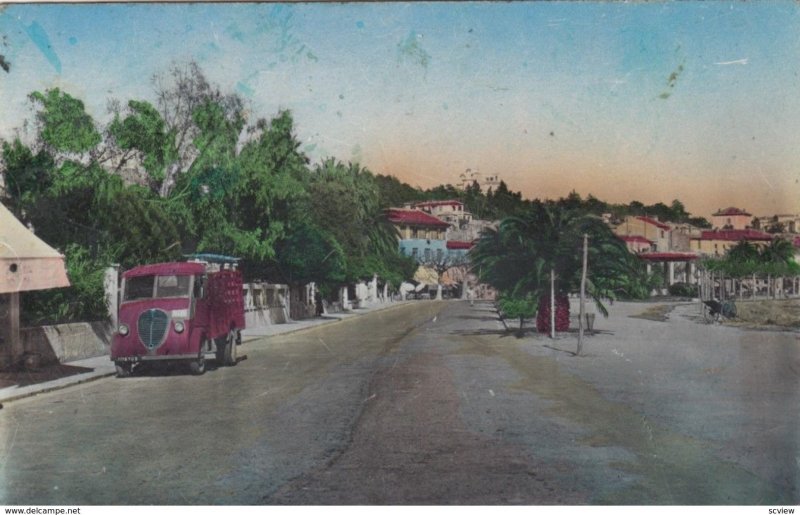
647,101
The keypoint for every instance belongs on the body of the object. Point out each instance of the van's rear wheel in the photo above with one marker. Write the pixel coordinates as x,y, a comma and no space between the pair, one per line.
231,353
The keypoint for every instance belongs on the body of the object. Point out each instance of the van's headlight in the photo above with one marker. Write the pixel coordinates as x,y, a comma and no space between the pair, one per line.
178,326
123,330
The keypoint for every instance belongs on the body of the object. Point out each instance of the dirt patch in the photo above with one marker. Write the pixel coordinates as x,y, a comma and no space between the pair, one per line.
769,313
657,313
25,377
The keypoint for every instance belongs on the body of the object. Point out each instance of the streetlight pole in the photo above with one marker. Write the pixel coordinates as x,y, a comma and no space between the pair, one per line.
552,304
581,314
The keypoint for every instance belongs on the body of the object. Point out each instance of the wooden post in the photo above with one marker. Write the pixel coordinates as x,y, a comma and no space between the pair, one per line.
582,311
552,304
17,349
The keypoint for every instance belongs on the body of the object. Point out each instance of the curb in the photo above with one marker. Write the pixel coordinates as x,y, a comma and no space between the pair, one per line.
52,388
327,319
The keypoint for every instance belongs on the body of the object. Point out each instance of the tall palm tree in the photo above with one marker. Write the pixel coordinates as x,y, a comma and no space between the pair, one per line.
518,257
779,250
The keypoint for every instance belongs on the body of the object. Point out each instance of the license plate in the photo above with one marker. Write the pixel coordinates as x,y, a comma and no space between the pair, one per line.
129,359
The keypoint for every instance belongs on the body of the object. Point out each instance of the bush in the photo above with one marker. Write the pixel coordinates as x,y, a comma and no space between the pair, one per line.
684,290
83,301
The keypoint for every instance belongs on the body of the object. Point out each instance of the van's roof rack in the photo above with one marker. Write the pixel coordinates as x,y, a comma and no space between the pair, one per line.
212,258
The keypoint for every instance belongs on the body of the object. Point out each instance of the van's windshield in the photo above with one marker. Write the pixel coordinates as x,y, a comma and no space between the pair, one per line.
156,287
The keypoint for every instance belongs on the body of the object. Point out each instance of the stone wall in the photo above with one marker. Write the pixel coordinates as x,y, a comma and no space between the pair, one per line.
67,342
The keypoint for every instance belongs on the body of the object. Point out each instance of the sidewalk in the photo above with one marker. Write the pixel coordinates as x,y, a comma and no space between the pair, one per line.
101,366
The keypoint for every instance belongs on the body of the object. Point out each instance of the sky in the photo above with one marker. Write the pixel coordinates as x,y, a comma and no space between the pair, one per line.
651,101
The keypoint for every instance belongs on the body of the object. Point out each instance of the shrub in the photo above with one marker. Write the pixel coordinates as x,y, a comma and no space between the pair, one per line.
684,290
83,300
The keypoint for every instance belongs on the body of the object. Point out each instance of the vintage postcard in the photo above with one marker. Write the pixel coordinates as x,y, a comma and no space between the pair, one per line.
399,253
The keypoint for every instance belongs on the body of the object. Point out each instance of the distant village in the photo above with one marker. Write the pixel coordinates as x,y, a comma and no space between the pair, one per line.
432,231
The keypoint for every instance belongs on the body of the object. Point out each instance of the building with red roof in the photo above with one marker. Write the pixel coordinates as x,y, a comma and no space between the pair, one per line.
422,236
409,220
731,218
717,243
650,229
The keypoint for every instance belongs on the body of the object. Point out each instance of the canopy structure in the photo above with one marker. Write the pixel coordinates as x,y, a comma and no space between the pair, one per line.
26,262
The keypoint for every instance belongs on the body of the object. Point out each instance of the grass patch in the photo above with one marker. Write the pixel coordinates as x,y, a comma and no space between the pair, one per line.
782,313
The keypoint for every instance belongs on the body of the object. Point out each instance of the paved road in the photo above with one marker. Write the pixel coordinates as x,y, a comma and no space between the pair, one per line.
427,403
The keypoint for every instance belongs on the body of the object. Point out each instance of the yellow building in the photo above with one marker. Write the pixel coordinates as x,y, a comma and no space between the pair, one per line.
718,243
647,228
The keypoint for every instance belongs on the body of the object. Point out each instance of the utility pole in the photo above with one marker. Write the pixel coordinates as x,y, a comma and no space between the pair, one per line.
582,312
552,304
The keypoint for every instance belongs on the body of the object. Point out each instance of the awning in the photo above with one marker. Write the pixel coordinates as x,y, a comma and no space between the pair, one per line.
26,262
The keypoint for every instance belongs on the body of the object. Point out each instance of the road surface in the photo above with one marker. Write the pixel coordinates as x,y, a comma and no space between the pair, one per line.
430,403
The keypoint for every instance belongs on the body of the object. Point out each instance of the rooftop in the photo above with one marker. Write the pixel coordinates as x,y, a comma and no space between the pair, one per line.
667,256
436,203
735,235
732,211
652,221
175,268
635,239
414,217
457,245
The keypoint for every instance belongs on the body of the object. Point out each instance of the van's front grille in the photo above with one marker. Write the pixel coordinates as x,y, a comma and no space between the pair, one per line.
153,325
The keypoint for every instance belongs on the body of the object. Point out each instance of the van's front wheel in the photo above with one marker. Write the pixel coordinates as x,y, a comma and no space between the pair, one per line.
197,367
123,369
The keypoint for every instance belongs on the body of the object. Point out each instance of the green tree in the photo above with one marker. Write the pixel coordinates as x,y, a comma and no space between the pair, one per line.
309,254
64,126
779,250
519,256
520,307
77,206
26,174
194,112
393,193
143,133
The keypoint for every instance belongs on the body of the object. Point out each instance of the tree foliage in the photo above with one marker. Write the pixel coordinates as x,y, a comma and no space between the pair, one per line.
64,125
745,259
518,257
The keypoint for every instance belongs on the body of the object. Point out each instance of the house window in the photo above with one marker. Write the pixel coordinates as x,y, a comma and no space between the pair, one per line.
427,254
414,252
439,254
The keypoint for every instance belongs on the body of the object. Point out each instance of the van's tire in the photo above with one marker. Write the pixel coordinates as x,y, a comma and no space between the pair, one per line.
123,369
221,350
231,354
197,366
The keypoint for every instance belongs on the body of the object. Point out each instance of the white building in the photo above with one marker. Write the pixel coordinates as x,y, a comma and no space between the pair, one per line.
471,176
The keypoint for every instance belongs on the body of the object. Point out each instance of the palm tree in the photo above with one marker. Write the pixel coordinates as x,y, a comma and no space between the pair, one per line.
777,259
518,257
779,250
